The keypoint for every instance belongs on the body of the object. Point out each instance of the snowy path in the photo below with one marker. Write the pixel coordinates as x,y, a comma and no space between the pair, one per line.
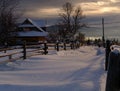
79,70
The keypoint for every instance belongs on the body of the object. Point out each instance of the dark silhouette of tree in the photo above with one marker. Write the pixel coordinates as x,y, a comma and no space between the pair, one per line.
70,20
8,17
80,37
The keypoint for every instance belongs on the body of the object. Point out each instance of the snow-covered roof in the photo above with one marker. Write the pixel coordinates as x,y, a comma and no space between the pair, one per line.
36,25
33,24
32,33
27,25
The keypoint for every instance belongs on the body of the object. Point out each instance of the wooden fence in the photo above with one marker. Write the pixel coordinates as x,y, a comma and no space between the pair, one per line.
112,66
113,74
107,52
24,51
62,46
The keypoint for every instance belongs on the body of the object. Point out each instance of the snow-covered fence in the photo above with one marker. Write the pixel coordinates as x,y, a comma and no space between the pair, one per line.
22,52
58,46
62,46
27,50
35,49
11,55
113,74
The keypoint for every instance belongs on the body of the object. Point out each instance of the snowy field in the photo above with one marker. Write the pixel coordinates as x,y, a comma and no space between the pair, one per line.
73,70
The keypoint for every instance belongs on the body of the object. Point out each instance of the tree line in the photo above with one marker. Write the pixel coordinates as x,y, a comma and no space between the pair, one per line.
9,14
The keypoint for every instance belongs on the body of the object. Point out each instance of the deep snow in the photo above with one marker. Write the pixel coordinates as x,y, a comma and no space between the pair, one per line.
72,70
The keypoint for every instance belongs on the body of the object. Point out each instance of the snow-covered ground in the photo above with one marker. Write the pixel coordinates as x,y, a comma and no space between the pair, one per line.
72,70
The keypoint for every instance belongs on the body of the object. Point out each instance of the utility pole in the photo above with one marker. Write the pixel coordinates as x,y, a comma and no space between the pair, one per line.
45,24
103,36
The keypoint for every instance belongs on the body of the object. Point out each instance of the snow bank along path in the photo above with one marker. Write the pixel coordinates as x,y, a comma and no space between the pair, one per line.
73,70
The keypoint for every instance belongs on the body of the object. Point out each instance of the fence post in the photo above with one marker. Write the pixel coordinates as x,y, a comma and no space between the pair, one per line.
24,50
6,46
107,54
5,51
57,45
73,44
10,57
45,47
113,74
64,45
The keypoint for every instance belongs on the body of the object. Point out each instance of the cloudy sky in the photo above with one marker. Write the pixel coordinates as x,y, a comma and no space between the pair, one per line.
93,9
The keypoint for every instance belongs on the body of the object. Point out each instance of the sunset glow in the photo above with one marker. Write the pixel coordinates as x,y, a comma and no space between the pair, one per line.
44,12
50,10
90,8
114,1
109,9
100,3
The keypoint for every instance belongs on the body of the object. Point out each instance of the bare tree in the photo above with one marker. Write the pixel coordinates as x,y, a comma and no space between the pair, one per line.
8,17
70,20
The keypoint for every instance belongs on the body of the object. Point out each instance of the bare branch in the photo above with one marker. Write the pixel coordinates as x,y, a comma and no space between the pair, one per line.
8,18
71,19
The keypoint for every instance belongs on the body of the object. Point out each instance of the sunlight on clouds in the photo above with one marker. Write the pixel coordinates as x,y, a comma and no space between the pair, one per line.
114,1
91,12
105,9
101,3
44,12
49,11
100,7
109,9
89,8
89,5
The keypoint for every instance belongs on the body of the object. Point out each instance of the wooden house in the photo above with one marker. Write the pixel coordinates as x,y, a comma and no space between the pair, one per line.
30,31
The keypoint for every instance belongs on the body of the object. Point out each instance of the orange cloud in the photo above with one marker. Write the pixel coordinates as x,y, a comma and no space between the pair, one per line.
89,8
109,9
114,1
43,12
100,7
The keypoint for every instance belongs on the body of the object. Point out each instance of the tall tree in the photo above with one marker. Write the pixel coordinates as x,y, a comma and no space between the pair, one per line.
70,20
8,17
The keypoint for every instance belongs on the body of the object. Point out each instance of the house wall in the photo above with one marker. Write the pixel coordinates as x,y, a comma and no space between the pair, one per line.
31,39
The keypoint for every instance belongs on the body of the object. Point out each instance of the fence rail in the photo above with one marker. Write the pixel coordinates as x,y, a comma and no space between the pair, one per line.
24,51
10,57
21,52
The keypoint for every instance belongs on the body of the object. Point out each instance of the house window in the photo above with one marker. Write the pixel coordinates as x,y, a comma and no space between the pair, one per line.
26,29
